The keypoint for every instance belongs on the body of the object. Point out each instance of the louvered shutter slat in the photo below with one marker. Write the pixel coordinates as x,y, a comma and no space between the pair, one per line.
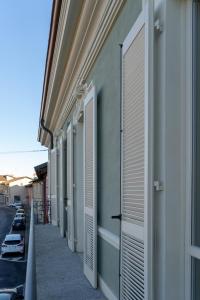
135,161
90,218
61,191
70,198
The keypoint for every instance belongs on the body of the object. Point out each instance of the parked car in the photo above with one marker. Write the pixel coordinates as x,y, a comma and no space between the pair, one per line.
13,243
18,223
20,215
16,293
20,210
18,205
11,205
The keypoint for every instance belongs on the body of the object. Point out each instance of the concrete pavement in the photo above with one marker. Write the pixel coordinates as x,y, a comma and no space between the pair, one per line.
59,271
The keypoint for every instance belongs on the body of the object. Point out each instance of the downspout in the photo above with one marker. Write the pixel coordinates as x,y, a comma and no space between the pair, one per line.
48,131
56,7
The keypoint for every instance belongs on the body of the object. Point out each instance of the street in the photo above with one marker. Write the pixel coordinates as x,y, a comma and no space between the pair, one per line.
6,217
12,272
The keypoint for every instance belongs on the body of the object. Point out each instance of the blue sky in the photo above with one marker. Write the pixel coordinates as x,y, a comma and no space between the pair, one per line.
24,30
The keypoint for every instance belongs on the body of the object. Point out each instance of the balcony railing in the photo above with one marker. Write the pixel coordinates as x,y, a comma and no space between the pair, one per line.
42,211
30,285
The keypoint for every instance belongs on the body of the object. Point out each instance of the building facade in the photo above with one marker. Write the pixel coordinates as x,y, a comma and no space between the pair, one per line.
17,191
4,189
119,115
39,195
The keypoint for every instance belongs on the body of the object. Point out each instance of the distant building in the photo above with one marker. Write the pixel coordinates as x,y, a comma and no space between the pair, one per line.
12,189
17,190
39,194
36,192
4,188
4,178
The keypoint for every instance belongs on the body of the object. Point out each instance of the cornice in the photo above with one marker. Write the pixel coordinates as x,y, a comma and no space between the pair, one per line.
94,25
88,22
60,32
68,9
55,16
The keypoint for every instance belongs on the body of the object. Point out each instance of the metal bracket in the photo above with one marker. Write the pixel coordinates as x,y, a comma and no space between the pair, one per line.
158,26
158,186
119,217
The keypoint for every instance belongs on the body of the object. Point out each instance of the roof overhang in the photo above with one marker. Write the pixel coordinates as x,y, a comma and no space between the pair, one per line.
41,170
56,7
78,31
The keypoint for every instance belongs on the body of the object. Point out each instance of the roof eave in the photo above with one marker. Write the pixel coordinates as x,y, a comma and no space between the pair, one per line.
56,7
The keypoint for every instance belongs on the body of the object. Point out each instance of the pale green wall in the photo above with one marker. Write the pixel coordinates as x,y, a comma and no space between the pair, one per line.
108,265
106,78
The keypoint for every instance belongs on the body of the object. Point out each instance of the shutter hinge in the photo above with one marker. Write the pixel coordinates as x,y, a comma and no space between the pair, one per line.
65,201
74,185
158,186
158,26
74,130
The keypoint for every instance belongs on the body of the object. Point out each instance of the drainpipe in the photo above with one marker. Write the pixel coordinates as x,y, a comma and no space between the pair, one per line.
48,131
56,8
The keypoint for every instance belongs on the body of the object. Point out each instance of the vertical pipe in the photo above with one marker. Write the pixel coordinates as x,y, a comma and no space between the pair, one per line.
121,45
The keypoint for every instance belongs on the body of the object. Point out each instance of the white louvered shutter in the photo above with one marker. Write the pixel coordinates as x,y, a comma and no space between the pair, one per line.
136,234
53,187
90,205
70,198
61,191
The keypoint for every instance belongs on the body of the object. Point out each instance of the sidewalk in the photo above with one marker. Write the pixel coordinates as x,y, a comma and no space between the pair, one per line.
59,271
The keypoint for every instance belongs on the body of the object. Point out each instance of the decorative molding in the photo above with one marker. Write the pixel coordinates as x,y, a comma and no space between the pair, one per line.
90,20
105,289
95,22
109,237
80,90
57,50
58,133
78,113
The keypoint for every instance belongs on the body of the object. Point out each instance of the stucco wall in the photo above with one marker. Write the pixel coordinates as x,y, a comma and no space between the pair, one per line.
106,78
17,190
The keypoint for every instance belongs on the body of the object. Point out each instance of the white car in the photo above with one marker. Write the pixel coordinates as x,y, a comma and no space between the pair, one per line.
13,243
11,205
15,293
20,210
20,215
18,206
